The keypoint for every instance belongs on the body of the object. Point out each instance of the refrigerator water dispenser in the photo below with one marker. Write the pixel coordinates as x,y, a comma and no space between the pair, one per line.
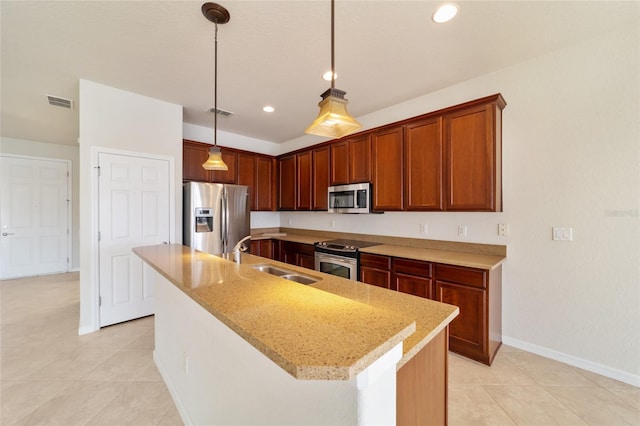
204,219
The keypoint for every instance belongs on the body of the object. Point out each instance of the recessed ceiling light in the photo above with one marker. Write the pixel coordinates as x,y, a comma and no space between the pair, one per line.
445,13
327,76
268,108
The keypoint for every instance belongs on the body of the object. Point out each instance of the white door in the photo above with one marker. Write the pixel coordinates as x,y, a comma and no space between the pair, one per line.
34,216
133,197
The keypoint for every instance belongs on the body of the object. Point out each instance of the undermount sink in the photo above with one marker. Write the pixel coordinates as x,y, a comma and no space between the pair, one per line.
285,273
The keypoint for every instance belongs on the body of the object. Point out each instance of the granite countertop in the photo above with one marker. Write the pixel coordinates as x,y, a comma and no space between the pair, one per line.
469,260
448,257
330,330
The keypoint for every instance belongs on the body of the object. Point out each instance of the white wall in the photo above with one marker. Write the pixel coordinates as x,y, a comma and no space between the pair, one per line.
118,120
63,152
571,156
230,140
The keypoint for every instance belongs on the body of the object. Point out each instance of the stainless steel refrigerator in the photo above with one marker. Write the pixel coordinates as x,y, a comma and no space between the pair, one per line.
215,216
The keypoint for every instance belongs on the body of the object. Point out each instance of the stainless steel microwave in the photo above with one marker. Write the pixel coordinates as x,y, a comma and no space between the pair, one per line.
352,198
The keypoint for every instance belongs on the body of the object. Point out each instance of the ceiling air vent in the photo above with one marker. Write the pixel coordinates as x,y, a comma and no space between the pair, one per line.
61,102
222,112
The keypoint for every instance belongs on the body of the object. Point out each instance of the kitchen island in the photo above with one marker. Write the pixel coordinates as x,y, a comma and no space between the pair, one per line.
237,345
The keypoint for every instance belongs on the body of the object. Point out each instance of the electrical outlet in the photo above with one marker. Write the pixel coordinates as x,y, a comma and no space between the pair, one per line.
562,234
290,221
503,229
424,229
333,223
462,230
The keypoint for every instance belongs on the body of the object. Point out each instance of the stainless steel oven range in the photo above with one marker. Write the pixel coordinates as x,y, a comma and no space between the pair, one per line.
340,257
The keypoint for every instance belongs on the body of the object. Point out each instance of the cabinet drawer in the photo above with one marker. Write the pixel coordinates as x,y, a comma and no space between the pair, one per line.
375,261
412,267
461,275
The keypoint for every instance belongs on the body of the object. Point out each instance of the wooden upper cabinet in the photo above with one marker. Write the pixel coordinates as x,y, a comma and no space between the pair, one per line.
304,169
388,166
320,177
474,157
360,159
247,175
230,158
424,156
265,187
287,183
340,163
193,155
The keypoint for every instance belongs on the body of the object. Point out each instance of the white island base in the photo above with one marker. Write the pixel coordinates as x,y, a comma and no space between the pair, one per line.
216,378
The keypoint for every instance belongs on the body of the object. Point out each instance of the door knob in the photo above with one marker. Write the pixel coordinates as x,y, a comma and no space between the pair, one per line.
4,234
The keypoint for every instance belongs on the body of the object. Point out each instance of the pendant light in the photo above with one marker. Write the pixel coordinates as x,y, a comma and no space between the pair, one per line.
218,15
333,119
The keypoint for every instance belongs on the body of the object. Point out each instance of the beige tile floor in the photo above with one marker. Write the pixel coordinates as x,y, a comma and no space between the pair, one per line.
51,376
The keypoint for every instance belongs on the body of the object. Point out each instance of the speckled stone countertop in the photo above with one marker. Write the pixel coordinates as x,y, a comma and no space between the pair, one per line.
449,257
469,260
330,330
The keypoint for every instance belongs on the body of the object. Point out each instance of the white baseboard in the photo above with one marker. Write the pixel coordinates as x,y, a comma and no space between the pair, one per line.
584,364
174,395
86,329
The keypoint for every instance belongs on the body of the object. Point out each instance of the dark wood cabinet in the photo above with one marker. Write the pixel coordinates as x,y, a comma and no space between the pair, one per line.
287,183
413,277
388,166
193,155
340,162
297,254
265,186
351,160
304,170
257,171
477,331
474,157
375,270
230,158
321,177
263,248
424,156
247,175
360,159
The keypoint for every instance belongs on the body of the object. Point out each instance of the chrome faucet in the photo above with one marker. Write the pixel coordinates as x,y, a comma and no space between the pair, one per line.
240,247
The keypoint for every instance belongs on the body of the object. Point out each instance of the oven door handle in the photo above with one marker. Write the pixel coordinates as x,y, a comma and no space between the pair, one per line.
336,259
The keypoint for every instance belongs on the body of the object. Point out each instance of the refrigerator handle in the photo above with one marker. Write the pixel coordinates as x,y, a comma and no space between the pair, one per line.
223,223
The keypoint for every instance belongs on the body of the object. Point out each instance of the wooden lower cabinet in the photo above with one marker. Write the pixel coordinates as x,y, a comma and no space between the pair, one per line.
477,332
263,248
421,386
413,277
297,254
375,270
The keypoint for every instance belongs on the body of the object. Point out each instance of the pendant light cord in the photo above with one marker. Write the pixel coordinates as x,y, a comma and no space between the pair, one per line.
333,69
215,90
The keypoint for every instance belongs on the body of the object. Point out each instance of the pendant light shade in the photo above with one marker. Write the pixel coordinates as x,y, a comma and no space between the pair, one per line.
333,119
218,15
215,162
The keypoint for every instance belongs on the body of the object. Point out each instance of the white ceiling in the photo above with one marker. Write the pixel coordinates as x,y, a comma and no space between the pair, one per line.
271,52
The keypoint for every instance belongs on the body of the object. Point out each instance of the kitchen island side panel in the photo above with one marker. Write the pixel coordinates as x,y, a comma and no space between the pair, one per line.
216,377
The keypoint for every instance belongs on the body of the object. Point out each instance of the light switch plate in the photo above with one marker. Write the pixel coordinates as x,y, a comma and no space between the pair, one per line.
503,229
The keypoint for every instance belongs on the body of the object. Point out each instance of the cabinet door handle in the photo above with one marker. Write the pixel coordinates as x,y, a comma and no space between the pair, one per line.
4,234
